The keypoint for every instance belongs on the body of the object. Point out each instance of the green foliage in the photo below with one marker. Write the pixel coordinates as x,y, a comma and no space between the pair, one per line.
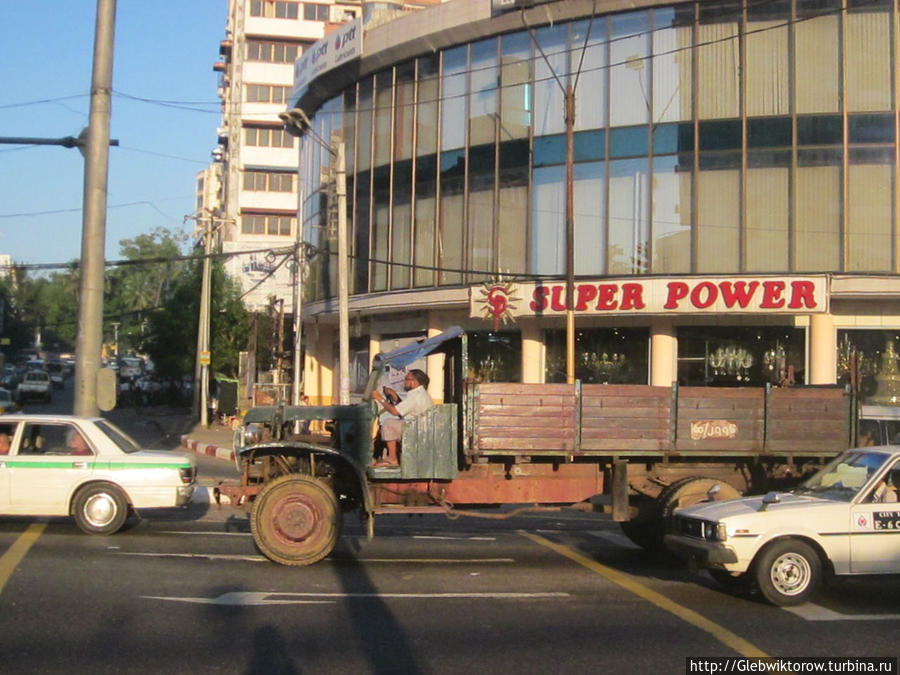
43,307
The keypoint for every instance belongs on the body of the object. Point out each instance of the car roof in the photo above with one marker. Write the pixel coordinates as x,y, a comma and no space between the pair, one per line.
52,418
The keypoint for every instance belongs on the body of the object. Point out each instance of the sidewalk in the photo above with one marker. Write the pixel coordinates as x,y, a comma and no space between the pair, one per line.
216,441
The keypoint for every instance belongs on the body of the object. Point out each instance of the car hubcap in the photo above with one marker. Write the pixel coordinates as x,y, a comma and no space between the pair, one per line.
791,574
100,509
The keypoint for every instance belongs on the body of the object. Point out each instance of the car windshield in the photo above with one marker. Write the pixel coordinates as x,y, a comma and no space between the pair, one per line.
843,477
125,442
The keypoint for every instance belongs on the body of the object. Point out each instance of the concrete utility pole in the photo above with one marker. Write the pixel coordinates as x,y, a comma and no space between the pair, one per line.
340,178
93,237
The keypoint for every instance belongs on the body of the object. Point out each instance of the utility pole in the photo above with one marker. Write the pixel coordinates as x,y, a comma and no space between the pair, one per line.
201,369
93,237
343,281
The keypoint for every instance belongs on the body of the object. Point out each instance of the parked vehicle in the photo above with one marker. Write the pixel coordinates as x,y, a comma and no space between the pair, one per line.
86,468
35,385
637,452
57,372
845,519
8,403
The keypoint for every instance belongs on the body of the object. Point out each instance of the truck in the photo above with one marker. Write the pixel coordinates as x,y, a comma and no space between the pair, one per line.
633,452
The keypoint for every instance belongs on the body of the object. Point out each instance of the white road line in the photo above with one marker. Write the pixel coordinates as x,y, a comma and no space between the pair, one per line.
441,537
208,556
249,598
813,612
208,533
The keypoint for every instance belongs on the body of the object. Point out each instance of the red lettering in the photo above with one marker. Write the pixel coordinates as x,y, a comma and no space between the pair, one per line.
803,294
556,299
586,293
740,292
632,296
607,296
772,298
539,299
678,290
711,291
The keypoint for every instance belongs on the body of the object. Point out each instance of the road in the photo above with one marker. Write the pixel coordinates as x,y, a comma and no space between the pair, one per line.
186,591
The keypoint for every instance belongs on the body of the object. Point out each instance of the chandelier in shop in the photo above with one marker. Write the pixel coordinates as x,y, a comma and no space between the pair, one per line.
731,361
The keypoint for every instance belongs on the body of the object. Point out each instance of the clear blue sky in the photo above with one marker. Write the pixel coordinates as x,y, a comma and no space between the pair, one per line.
164,53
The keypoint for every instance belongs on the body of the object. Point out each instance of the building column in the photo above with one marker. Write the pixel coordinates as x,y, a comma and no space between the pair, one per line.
319,366
434,363
822,349
532,351
663,353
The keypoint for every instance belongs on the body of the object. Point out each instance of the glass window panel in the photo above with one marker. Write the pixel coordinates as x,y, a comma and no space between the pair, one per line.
401,232
427,107
483,88
383,96
426,187
672,64
360,262
671,215
549,150
767,208
816,63
718,60
723,135
818,218
629,76
450,233
672,138
481,212
364,121
869,220
718,219
867,51
349,123
769,133
453,98
629,142
495,357
590,96
590,210
548,234
767,67
515,86
872,128
820,130
380,240
549,98
590,145
512,219
602,355
404,111
810,8
629,222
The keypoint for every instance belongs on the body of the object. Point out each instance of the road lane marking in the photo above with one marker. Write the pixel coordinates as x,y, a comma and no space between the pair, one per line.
13,556
813,612
260,558
451,538
251,598
631,584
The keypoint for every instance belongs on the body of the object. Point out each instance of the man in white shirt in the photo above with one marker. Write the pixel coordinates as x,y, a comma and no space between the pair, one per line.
417,400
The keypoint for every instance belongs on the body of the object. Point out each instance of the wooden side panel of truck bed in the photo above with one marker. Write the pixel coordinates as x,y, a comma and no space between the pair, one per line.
525,418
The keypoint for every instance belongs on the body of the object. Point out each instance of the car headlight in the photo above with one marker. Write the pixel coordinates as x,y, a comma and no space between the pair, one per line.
721,532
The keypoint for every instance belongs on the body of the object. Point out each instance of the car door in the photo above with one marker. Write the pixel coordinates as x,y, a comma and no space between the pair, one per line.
44,471
875,531
7,450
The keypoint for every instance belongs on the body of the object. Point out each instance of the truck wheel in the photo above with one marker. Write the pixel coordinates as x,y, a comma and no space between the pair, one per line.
788,572
100,508
295,520
689,491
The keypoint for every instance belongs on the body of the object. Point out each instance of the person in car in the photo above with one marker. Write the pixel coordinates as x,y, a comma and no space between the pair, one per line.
77,445
4,443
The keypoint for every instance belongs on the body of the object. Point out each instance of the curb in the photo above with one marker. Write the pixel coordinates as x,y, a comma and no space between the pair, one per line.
207,449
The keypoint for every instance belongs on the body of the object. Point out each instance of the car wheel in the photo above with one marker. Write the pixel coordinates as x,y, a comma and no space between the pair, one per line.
295,520
100,508
787,572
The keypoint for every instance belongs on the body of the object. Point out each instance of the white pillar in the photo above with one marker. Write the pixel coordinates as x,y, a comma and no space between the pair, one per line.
532,351
434,364
319,376
663,353
822,349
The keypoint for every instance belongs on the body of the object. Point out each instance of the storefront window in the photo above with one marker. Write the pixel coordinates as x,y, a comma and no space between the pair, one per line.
495,357
734,356
874,353
602,355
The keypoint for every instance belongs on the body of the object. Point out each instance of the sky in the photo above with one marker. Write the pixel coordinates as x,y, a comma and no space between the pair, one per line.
164,114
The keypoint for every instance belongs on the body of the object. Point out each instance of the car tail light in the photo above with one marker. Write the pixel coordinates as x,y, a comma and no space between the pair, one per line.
187,473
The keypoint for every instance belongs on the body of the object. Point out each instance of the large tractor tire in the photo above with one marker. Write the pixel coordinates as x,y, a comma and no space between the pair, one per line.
295,520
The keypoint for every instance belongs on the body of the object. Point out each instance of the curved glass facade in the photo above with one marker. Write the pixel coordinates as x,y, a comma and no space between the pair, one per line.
711,137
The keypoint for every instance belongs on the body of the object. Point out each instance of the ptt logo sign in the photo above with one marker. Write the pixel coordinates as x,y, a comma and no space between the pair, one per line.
343,39
319,52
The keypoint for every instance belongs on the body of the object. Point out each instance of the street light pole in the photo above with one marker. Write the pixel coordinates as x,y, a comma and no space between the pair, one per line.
93,237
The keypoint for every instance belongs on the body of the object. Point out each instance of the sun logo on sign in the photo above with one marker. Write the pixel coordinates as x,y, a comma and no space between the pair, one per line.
498,300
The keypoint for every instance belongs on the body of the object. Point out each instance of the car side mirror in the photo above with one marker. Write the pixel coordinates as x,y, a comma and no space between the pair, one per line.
770,498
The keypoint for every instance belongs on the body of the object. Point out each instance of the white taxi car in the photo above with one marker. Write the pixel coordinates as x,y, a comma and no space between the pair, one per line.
844,520
87,468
